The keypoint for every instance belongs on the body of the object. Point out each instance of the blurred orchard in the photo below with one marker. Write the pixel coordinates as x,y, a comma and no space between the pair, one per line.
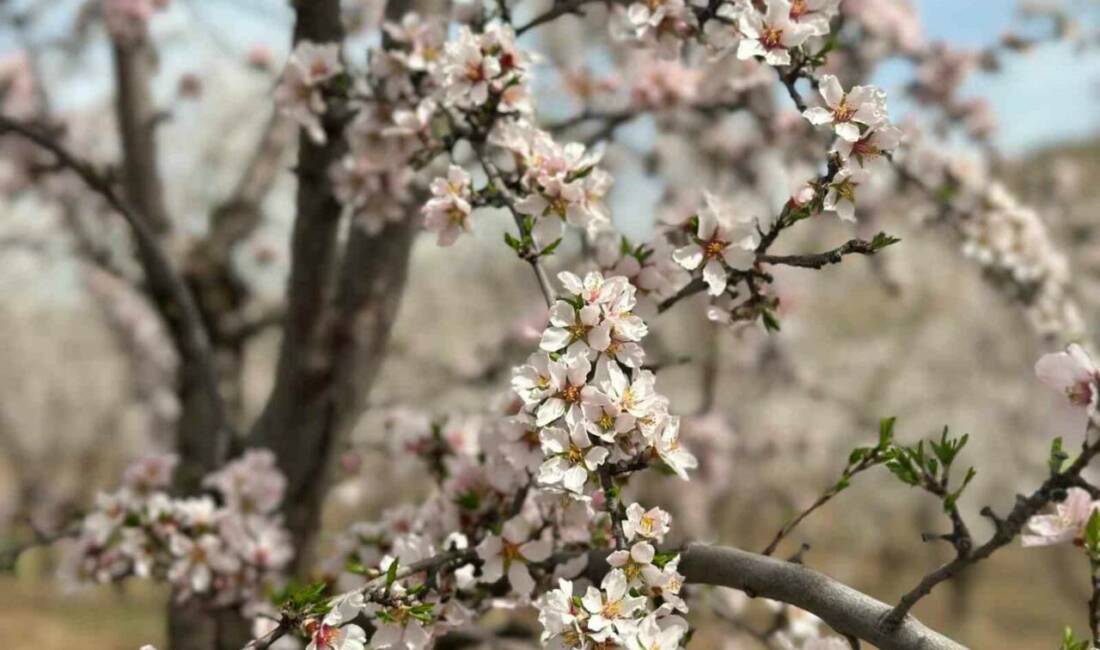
552,323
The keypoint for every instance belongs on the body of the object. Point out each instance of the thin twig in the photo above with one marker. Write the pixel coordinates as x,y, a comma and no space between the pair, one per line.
869,461
819,260
1007,529
531,257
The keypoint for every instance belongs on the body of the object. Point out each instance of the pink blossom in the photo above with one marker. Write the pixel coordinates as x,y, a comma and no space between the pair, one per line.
1067,524
1071,373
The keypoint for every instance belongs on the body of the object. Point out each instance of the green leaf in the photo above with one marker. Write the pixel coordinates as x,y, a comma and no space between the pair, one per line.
771,323
661,558
549,250
391,573
1070,642
625,247
1092,535
1058,456
580,173
901,466
881,241
886,431
512,242
468,500
303,599
351,566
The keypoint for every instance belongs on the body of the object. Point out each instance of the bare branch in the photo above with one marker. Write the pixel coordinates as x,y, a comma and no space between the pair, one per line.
846,610
137,117
176,303
819,260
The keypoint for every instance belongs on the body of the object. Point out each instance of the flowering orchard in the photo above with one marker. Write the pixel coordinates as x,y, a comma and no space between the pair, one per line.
534,509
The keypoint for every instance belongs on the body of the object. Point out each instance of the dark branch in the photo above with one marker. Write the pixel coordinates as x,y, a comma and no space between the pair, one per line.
1007,529
819,260
182,313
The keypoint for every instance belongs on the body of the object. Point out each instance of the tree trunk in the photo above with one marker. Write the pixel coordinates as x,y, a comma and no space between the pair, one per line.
338,318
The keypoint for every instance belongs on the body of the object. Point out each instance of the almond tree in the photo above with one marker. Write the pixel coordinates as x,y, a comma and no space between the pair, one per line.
437,128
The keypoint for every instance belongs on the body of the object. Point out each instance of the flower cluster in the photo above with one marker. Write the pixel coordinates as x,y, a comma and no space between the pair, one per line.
865,138
615,615
481,508
662,25
587,391
1066,524
1010,240
228,549
723,241
782,26
513,492
597,410
420,96
560,184
484,70
637,603
767,30
395,103
300,93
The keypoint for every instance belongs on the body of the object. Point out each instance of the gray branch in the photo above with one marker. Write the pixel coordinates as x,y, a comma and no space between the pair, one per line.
846,610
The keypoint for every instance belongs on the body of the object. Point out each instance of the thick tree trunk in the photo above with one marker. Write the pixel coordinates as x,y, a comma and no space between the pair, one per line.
340,310
201,435
314,408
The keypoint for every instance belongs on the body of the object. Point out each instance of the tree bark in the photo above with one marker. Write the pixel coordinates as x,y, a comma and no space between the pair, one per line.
201,435
340,310
137,120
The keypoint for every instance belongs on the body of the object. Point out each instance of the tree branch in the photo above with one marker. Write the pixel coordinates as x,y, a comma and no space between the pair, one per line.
136,118
172,295
848,611
819,260
339,314
1006,529
560,8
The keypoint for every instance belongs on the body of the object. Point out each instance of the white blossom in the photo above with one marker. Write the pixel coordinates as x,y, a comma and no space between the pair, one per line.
611,607
509,553
840,197
722,240
1067,524
650,524
772,34
299,93
447,213
862,105
571,457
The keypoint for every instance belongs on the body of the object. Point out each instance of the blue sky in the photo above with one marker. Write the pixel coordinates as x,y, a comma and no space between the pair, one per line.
1049,95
